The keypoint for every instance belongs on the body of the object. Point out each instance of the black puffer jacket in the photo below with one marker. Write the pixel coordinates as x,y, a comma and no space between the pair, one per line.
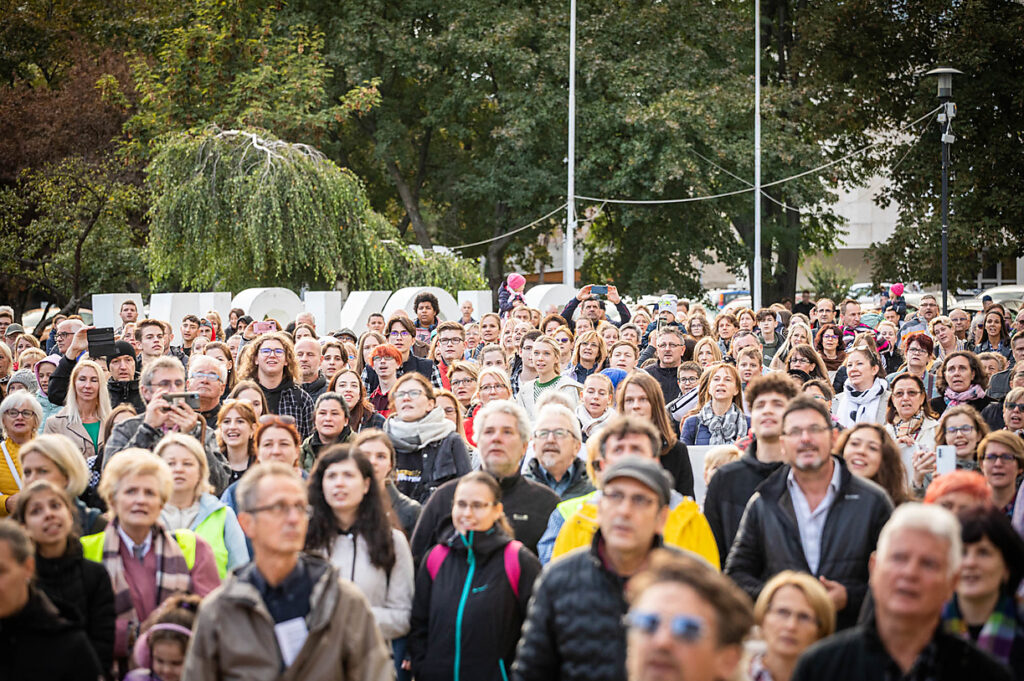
859,655
574,630
729,491
407,510
83,587
468,615
528,505
41,642
768,540
437,463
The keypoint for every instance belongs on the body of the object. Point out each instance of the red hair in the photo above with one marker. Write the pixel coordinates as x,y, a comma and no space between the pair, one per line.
968,482
387,350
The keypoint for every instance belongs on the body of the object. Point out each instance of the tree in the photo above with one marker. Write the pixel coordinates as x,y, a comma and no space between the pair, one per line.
67,231
232,209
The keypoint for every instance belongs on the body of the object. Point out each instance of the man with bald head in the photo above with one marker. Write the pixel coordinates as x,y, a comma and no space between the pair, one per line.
307,352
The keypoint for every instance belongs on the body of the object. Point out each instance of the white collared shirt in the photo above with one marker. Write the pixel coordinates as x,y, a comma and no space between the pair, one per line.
812,523
146,545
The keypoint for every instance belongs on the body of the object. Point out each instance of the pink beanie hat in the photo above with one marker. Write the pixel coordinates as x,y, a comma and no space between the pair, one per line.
897,290
515,280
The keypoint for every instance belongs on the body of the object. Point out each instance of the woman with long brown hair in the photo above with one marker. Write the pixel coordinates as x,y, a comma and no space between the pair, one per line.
639,394
871,453
347,383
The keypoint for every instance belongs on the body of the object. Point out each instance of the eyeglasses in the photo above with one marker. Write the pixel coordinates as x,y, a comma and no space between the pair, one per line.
463,381
492,388
917,351
449,341
1014,406
474,506
684,628
785,614
564,341
204,376
412,393
910,393
1005,458
170,383
65,334
636,500
800,360
953,430
809,430
267,352
558,433
281,509
277,418
399,334
669,346
687,380
24,413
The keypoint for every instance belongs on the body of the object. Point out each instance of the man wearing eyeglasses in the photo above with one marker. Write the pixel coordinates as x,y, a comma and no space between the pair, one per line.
670,348
207,377
502,432
573,629
287,614
825,311
812,516
166,375
451,347
556,462
686,623
927,310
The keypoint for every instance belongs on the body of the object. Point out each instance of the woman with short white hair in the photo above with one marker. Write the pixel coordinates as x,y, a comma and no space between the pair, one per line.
146,562
20,415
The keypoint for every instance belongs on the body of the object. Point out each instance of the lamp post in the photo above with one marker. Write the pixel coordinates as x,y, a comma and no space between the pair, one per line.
569,257
945,117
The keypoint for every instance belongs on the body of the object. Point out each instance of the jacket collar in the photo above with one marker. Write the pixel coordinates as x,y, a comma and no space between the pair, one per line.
239,588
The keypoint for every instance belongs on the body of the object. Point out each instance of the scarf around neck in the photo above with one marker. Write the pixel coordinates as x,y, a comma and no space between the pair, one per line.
954,399
590,424
860,406
998,632
411,436
725,429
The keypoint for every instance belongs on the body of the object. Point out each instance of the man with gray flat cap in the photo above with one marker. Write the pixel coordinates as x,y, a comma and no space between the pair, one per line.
573,628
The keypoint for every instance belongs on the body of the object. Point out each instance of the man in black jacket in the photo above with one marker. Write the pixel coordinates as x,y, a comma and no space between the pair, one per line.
811,516
573,630
733,484
670,346
122,385
913,574
502,430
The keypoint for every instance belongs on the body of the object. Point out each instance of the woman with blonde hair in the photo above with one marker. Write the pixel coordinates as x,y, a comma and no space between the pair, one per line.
86,405
798,334
719,419
54,458
793,612
706,352
147,563
588,356
191,506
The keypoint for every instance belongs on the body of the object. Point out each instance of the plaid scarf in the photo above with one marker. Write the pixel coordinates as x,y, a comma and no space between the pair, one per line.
172,573
910,427
998,632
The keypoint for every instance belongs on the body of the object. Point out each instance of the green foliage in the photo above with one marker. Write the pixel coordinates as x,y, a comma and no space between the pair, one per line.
232,209
829,280
237,65
67,230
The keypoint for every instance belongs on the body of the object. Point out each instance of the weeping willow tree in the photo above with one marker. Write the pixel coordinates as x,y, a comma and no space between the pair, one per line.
233,209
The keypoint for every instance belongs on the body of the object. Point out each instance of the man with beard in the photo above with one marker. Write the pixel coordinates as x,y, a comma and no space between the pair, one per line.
556,445
811,516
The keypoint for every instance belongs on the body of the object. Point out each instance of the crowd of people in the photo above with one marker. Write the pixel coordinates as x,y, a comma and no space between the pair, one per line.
515,496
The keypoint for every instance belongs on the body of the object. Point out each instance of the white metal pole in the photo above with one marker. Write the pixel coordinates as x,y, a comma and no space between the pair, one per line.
569,268
756,284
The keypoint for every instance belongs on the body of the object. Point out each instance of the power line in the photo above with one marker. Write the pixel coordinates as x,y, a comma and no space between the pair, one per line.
763,185
510,233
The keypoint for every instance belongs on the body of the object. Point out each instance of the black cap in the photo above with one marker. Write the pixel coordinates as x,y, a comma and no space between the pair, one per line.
122,349
645,471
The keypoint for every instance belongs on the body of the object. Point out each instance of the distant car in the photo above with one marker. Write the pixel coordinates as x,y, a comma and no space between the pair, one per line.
736,304
720,297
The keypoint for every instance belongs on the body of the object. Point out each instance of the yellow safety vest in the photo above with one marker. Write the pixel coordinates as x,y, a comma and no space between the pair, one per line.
92,546
212,530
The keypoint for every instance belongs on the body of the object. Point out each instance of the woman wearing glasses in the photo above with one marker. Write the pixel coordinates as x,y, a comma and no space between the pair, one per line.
829,344
21,416
792,612
147,562
963,428
471,591
492,384
908,416
919,348
804,359
429,451
1001,458
349,526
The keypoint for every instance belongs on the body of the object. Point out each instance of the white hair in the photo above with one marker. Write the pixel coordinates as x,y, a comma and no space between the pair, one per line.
22,399
565,413
932,519
195,361
502,407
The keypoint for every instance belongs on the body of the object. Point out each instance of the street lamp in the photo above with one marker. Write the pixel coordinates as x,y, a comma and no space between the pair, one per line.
945,118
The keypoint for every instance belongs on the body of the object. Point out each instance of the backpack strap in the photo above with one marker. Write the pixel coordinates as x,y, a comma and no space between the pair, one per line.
435,558
513,569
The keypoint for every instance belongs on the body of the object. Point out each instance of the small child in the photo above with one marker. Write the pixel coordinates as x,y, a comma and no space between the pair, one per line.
718,457
160,650
510,293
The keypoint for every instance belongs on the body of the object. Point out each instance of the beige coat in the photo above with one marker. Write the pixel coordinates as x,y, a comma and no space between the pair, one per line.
61,424
234,636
